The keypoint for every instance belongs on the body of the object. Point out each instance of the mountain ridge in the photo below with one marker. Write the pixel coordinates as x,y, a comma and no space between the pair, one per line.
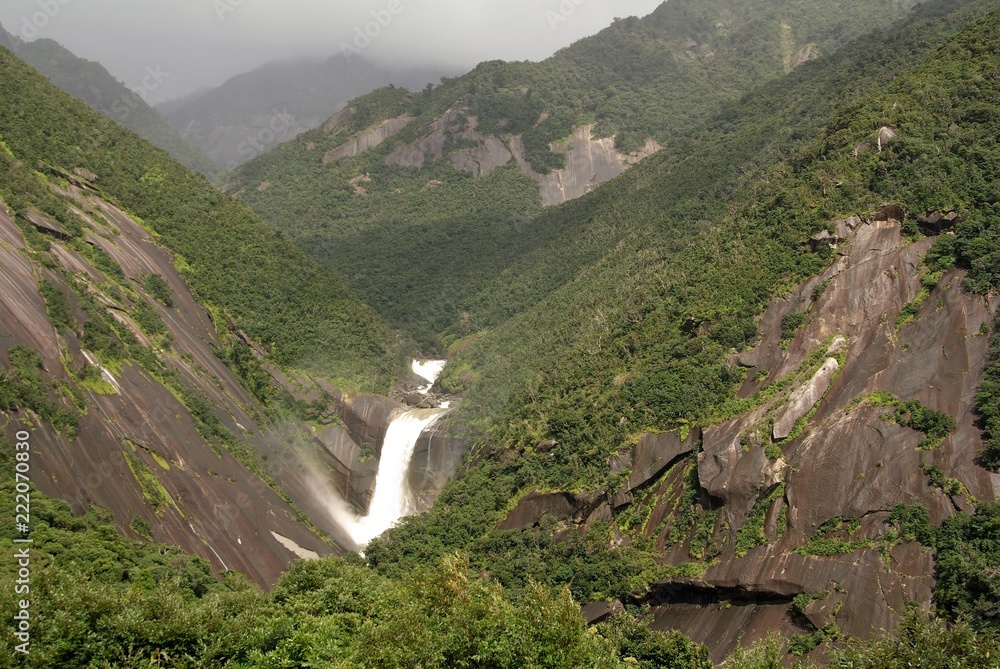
634,79
251,112
90,81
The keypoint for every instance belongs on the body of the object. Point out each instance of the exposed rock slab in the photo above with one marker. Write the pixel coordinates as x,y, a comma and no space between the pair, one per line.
805,398
368,139
414,155
560,505
850,461
338,119
721,625
491,154
728,472
436,457
367,418
354,476
215,507
595,612
590,162
650,457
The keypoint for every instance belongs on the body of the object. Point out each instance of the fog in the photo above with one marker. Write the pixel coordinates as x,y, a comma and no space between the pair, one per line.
194,44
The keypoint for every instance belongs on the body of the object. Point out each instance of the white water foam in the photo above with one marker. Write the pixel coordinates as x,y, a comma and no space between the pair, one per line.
429,370
391,499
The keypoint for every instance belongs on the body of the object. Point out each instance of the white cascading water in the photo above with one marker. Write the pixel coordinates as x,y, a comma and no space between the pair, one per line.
428,370
391,498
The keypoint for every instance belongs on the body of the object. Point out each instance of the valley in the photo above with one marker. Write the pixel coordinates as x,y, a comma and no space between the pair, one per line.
678,348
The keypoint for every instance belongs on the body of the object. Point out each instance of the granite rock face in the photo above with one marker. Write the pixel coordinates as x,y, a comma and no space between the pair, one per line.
535,506
369,139
218,508
653,454
590,161
436,458
812,449
840,457
804,398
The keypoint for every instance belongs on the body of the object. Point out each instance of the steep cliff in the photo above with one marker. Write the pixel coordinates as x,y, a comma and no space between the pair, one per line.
811,512
141,446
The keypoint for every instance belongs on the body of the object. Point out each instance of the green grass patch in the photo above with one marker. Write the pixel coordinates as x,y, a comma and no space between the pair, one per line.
752,532
152,490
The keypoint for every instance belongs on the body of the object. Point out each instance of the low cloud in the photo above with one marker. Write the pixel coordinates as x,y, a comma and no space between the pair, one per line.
204,42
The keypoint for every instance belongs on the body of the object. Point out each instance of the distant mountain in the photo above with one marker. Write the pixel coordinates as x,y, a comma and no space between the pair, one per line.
255,111
90,82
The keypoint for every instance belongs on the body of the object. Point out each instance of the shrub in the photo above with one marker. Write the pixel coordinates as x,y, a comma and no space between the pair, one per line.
790,323
158,288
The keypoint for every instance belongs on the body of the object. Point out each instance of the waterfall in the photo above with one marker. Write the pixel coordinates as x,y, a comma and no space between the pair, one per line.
428,370
391,497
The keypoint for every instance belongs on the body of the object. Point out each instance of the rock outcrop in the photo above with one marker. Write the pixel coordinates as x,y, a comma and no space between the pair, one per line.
368,139
811,450
338,119
367,417
535,506
436,458
139,451
653,454
805,398
491,153
590,162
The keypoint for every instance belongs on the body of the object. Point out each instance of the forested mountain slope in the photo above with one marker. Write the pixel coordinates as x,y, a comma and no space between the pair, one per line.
749,386
414,196
90,82
152,334
692,371
274,292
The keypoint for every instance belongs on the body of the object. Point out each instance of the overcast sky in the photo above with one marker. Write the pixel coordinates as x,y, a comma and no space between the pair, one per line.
199,43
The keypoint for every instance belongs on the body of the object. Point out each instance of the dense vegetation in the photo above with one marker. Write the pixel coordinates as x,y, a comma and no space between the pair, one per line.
98,599
619,317
967,560
422,243
275,293
90,82
627,314
24,386
623,321
988,403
